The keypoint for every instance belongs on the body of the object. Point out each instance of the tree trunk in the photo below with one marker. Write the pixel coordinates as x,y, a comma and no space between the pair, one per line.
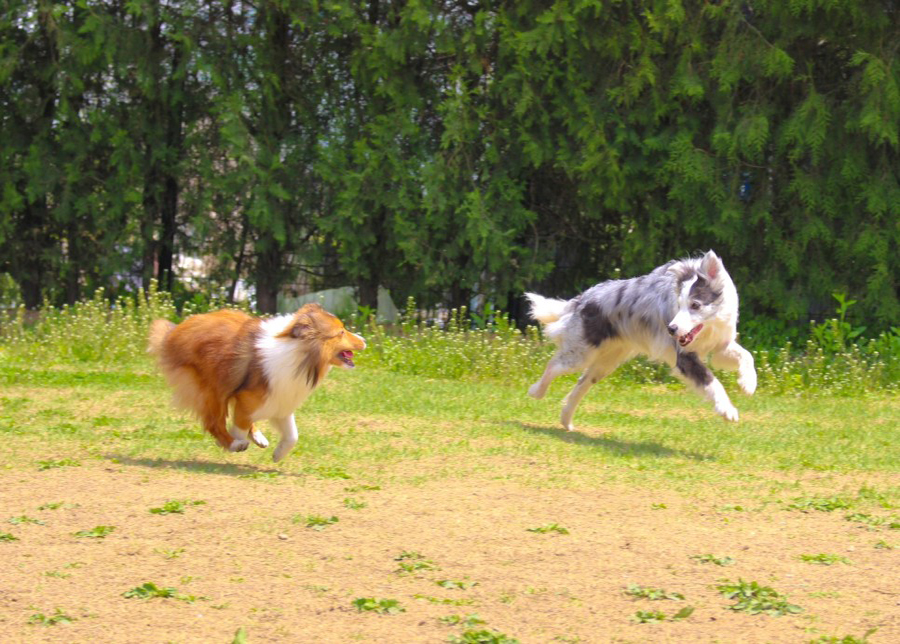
239,261
268,281
368,293
73,288
166,245
173,113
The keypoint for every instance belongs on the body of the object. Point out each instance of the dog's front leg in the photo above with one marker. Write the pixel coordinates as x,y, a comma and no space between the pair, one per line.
690,367
288,429
734,357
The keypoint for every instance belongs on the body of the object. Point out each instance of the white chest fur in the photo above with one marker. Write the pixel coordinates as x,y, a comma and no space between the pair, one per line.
282,358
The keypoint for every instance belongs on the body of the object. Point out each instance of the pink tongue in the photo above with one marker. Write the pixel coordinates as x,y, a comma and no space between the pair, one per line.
690,336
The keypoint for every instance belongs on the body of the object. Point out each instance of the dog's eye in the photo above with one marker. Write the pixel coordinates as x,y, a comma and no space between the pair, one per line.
695,306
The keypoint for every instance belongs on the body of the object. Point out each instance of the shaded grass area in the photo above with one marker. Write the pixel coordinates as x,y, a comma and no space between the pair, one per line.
367,422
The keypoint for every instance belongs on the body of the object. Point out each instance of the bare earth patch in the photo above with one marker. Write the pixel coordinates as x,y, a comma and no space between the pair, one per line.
246,558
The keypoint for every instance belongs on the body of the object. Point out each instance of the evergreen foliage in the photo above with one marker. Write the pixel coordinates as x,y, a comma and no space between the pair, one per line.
449,149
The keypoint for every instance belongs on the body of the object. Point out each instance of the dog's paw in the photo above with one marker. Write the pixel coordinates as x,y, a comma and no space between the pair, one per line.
259,438
535,391
747,381
729,412
281,450
238,445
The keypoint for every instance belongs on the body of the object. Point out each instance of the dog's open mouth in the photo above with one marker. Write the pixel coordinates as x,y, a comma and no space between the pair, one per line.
688,337
347,358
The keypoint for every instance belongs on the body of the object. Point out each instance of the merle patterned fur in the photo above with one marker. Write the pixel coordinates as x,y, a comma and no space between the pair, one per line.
679,313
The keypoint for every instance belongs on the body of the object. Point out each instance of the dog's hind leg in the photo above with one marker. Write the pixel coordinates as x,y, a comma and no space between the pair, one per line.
585,382
242,425
213,416
690,368
734,357
604,365
560,364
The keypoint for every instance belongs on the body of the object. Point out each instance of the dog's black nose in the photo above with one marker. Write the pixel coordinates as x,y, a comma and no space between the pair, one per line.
672,329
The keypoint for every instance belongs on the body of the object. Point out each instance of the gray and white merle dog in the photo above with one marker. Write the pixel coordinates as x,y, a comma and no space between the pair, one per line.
680,313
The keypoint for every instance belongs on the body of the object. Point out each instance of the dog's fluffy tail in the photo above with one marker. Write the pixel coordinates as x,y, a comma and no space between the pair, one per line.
159,329
545,309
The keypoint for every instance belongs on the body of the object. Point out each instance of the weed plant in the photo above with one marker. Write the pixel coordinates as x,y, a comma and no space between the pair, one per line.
713,559
755,599
641,592
825,559
483,636
380,606
98,532
58,617
92,331
654,616
836,357
150,590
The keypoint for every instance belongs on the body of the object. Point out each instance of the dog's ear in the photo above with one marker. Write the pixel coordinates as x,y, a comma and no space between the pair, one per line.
678,269
711,265
302,327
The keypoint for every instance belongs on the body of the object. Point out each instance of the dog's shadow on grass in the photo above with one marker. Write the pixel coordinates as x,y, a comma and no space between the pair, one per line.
612,445
241,470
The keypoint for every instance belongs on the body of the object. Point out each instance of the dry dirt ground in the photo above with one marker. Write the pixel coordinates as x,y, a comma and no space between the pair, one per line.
249,560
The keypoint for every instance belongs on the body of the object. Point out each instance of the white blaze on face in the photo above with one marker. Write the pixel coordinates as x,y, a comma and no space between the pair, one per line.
682,320
684,326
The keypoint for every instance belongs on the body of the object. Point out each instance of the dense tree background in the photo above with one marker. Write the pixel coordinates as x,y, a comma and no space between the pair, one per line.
452,149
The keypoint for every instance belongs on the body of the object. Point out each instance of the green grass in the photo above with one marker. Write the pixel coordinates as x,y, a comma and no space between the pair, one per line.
407,422
456,401
364,422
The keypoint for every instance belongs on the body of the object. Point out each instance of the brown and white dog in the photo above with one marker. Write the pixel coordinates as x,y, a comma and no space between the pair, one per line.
260,368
